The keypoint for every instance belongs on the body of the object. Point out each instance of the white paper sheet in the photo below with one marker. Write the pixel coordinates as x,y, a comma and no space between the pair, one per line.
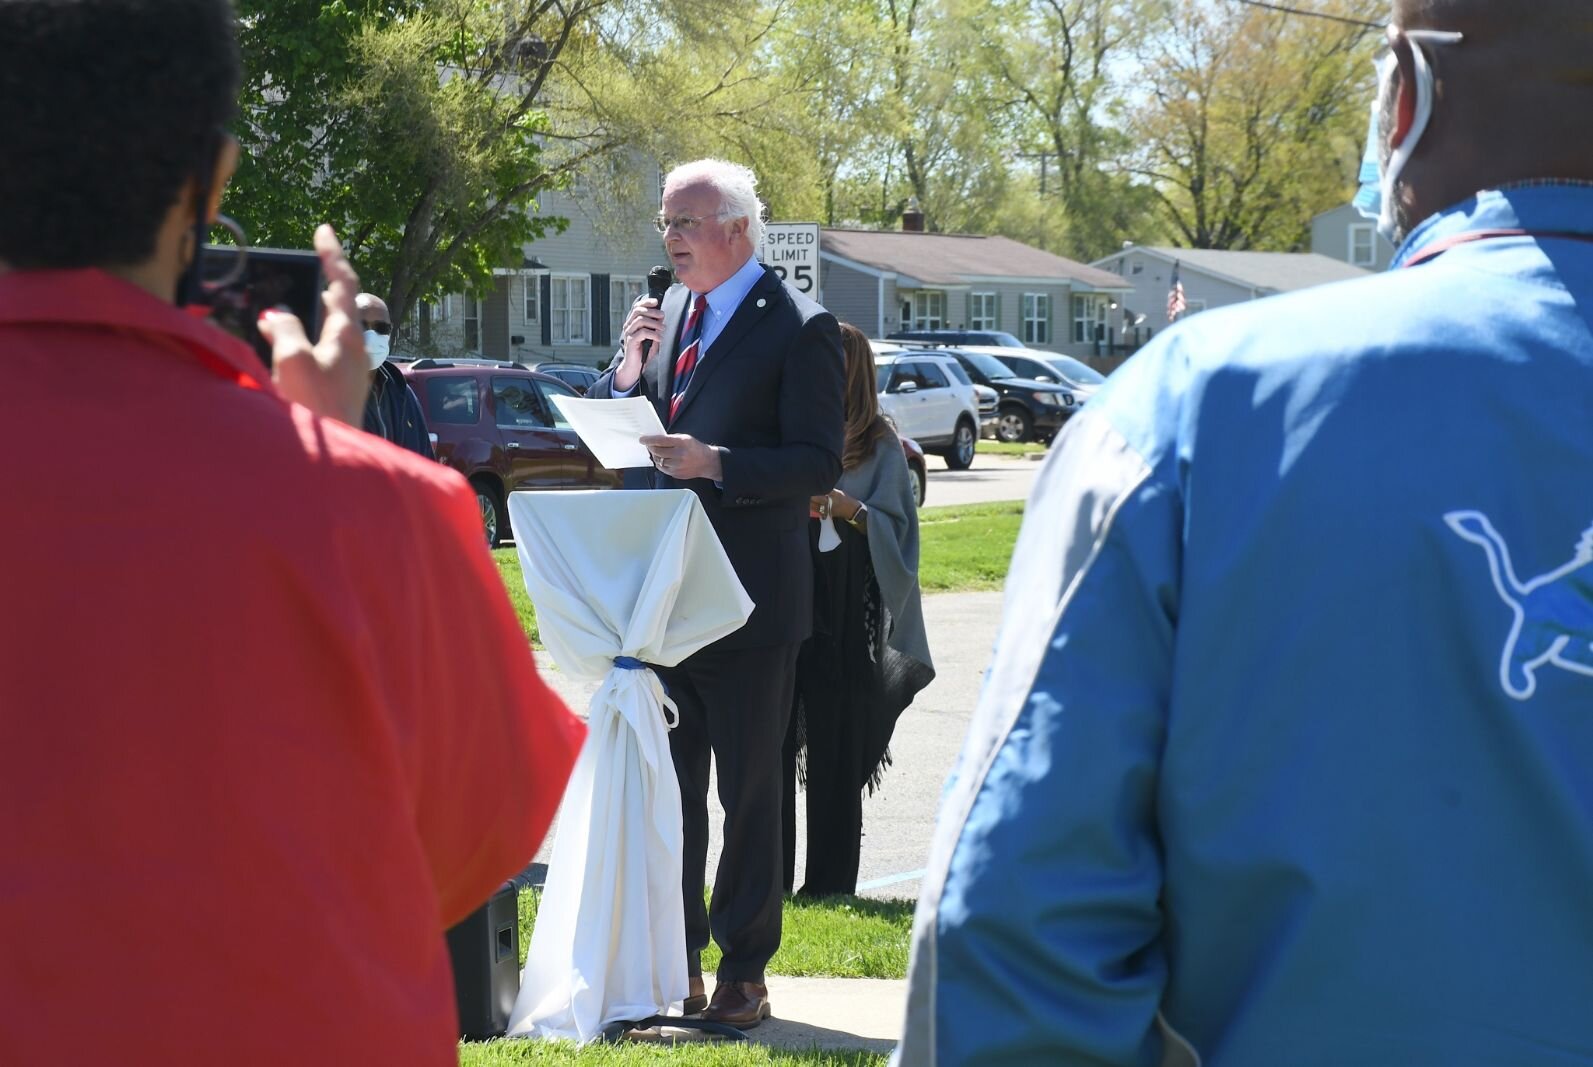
610,428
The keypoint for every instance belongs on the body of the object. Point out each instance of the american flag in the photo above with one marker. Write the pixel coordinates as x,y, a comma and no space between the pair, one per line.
1175,297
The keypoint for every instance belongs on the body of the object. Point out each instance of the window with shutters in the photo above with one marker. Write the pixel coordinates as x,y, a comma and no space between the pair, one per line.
472,324
567,308
929,310
981,311
1036,318
622,293
533,298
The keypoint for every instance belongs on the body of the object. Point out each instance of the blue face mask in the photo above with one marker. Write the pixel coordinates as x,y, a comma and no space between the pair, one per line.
1376,197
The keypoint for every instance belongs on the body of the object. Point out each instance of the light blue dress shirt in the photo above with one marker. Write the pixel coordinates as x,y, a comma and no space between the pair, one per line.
723,300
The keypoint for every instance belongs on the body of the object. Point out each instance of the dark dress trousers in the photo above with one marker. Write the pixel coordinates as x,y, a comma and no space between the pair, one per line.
770,392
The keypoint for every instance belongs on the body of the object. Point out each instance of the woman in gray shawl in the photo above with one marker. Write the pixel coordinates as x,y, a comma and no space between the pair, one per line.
868,654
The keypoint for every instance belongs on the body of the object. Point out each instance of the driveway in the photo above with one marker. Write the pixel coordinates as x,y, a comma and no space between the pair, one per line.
991,478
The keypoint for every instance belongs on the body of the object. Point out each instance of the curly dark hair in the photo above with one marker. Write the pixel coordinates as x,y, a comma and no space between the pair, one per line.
106,108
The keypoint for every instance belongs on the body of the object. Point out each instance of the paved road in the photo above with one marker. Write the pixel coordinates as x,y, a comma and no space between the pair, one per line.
898,819
990,478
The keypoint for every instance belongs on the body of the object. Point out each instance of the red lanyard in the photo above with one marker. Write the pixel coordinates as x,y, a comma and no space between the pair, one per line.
1438,248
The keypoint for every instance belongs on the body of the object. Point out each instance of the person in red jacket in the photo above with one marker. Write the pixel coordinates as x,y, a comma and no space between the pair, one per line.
268,723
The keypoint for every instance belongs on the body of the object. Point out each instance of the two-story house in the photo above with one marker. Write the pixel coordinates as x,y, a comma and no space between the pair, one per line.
567,298
1345,234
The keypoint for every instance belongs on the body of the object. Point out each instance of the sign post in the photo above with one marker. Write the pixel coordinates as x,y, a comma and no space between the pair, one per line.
792,249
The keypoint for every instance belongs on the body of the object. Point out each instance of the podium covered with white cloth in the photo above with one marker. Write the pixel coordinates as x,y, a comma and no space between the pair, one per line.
619,580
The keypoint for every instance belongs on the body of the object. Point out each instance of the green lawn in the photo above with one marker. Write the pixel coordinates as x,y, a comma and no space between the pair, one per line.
968,546
509,566
963,547
834,937
843,937
697,1054
1001,448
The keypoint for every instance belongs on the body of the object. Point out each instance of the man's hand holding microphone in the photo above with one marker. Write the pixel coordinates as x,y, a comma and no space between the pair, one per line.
679,455
643,331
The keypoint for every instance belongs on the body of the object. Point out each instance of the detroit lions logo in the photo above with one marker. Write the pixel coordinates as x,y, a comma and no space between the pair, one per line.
1553,612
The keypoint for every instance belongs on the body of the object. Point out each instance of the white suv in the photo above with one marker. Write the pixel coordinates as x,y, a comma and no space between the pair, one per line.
931,400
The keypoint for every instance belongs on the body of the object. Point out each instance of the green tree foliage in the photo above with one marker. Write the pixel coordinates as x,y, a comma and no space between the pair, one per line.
419,130
427,131
1252,123
1058,68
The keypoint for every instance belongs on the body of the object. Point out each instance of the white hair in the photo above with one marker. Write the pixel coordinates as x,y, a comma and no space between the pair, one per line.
737,186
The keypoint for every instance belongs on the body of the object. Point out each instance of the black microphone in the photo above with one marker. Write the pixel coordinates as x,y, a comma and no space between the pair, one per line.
659,279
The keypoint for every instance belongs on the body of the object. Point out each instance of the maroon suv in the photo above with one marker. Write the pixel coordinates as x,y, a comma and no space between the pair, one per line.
495,424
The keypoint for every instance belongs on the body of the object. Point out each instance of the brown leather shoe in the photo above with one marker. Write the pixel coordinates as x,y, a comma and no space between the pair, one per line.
697,998
739,1004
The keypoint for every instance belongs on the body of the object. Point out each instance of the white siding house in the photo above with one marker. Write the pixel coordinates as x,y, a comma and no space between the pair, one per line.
1214,278
883,281
1345,234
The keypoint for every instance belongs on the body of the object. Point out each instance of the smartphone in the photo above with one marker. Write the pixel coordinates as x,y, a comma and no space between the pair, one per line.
270,277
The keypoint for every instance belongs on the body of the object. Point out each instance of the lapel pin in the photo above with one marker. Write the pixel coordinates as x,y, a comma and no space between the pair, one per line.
762,302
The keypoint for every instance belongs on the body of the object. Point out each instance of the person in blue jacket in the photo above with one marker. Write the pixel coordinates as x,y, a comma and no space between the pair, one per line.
392,410
1286,753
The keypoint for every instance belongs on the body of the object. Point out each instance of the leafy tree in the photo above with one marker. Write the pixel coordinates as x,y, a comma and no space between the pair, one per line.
1253,121
420,130
1058,66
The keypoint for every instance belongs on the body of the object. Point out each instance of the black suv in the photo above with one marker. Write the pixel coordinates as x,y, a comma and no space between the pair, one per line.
1026,409
995,338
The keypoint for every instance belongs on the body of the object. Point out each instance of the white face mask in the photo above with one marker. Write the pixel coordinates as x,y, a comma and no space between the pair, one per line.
376,348
1379,179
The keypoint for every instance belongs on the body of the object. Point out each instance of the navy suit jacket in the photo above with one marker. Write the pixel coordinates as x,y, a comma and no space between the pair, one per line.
770,392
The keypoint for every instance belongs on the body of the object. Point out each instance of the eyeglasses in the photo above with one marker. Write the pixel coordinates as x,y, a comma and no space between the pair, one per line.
383,328
686,223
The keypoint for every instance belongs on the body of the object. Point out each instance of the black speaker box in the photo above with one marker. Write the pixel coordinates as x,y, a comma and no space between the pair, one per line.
485,947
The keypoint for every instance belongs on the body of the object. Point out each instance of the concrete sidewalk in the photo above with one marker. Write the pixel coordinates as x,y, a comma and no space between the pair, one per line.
833,1014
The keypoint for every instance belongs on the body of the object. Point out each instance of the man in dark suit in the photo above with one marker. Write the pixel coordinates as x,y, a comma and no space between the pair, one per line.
748,377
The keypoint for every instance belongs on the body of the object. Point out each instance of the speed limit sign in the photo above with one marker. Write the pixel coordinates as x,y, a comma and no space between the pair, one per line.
792,249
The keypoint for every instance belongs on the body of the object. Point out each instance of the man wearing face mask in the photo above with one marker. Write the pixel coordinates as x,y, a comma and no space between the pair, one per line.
248,777
392,410
1284,754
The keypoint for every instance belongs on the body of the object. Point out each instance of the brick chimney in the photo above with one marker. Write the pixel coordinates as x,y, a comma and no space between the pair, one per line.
913,217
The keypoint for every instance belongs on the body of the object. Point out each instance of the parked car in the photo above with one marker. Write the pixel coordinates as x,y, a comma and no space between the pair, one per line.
1027,409
495,423
1078,377
959,338
577,376
917,467
930,402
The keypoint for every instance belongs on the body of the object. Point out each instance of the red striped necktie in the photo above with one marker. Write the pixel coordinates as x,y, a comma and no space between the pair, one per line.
686,362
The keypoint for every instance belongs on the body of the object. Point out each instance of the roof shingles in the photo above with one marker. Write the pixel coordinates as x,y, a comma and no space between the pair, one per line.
1281,272
956,259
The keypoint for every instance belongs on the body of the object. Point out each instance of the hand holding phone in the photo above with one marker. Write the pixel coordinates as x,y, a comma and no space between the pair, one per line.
332,377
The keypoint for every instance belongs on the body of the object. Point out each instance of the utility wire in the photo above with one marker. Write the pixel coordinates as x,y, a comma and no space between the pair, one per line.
1312,14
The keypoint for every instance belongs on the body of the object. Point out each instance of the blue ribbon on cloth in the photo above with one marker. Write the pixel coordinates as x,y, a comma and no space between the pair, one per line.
630,663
